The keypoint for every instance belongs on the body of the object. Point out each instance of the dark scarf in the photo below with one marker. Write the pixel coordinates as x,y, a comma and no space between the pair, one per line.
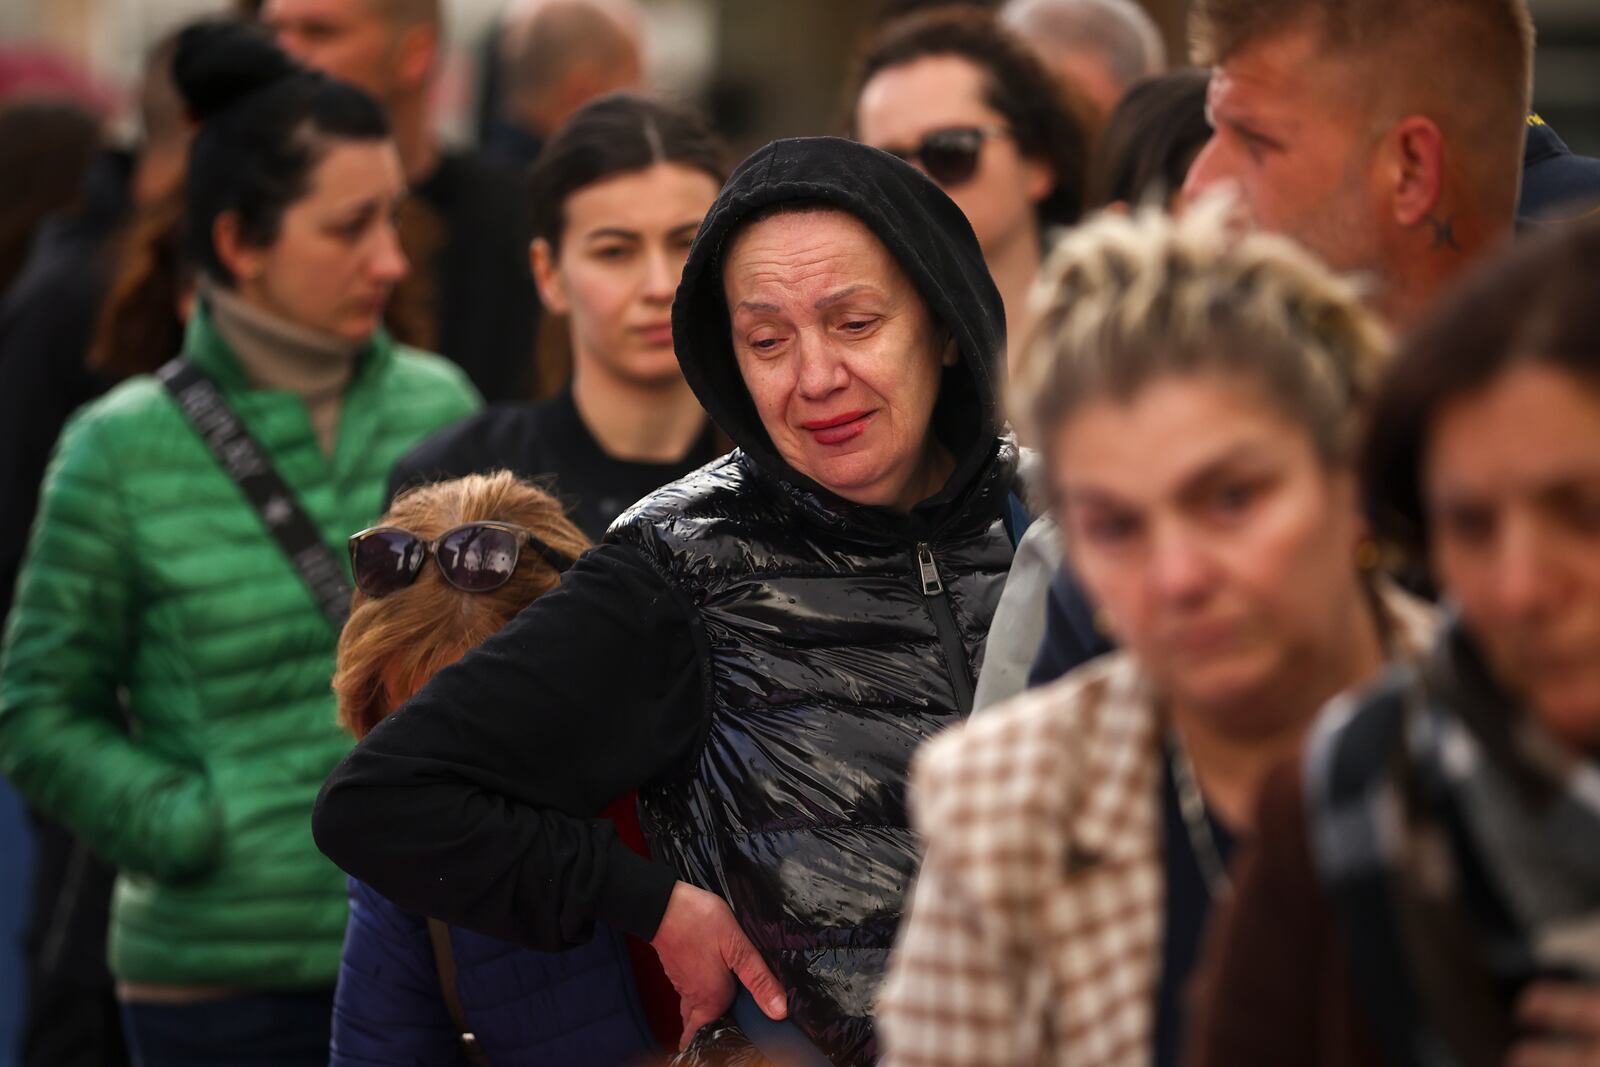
1462,844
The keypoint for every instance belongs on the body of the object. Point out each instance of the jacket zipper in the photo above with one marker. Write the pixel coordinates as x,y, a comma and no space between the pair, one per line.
944,620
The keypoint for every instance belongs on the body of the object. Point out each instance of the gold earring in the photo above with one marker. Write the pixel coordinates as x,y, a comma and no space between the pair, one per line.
1368,555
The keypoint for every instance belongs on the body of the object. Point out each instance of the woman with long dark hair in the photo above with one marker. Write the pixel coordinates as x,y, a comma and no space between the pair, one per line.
181,572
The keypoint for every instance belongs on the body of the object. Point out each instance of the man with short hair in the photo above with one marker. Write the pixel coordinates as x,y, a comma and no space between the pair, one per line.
1384,135
469,295
554,57
1097,48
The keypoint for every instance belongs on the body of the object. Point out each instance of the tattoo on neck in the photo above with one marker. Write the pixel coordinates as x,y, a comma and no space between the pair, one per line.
1444,232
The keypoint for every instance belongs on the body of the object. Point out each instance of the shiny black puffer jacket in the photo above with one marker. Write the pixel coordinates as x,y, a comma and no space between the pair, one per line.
838,642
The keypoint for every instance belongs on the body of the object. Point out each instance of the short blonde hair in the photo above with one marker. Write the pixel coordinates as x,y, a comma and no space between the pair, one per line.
1123,301
403,639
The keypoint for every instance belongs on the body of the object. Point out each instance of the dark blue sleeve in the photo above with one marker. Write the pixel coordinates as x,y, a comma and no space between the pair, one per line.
388,1007
1071,638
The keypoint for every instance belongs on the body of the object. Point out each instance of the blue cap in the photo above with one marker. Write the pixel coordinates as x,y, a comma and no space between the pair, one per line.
1557,186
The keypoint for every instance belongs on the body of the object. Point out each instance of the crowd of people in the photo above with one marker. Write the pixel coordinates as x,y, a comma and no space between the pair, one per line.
1100,565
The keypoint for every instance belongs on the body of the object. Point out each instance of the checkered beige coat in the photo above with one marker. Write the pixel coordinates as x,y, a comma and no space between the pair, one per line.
1033,933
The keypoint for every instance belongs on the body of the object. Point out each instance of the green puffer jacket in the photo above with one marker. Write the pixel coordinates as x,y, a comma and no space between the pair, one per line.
150,584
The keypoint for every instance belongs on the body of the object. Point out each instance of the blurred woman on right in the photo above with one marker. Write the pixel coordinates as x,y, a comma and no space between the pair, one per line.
1195,397
1426,885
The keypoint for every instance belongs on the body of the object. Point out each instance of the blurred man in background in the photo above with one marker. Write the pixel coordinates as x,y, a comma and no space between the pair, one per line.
554,56
47,324
469,295
1097,48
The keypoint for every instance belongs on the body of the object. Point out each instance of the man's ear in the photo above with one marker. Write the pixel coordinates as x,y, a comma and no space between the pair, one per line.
243,260
1414,168
416,55
552,290
952,352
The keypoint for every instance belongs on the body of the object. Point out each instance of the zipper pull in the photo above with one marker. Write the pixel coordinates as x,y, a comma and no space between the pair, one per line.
931,585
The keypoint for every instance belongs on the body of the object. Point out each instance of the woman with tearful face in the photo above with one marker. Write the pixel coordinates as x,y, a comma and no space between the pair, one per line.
1195,397
757,648
1432,859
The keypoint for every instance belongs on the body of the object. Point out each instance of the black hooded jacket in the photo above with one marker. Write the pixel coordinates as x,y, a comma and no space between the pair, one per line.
755,654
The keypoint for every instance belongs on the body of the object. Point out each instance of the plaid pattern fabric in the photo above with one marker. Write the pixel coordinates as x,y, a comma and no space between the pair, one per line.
1033,932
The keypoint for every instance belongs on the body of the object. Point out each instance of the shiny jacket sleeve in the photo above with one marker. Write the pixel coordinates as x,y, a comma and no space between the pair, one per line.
476,801
68,645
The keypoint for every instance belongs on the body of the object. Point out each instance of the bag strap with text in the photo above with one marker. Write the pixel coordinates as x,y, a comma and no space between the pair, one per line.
246,463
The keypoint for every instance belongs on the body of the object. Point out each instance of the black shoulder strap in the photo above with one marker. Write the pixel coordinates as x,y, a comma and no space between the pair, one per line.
244,461
444,961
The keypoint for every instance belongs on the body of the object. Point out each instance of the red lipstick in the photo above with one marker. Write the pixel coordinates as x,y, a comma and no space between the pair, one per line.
839,428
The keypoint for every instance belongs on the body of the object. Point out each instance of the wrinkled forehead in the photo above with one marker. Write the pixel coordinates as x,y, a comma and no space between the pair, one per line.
807,243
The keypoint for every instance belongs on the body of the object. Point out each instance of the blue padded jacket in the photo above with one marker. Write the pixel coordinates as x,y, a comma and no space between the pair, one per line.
527,1009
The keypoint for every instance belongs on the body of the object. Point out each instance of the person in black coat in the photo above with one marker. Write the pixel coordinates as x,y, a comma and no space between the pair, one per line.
759,647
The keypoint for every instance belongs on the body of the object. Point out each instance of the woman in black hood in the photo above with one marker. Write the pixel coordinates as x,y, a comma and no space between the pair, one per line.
757,648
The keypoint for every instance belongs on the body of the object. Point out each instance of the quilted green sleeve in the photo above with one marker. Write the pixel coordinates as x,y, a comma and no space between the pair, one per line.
67,645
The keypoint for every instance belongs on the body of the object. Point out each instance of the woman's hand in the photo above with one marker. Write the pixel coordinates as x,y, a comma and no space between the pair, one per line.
1567,1016
702,948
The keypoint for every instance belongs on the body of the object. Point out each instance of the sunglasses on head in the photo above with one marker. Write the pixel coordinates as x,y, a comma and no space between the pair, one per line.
950,156
475,557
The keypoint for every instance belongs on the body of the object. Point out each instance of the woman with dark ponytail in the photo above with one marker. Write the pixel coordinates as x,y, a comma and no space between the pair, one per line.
182,574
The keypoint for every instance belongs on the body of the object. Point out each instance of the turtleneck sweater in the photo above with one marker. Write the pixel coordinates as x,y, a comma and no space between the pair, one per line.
279,354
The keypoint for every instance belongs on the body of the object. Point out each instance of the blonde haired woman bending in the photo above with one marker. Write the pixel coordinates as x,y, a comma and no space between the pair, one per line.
450,564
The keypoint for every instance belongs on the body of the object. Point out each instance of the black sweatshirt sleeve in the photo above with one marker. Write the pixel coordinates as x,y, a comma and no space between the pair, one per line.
475,802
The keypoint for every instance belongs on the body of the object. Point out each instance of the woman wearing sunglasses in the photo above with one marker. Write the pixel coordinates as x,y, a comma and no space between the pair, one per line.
957,95
1196,399
156,590
616,197
450,564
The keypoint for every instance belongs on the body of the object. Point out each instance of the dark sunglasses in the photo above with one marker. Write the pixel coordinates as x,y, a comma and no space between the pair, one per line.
950,156
475,557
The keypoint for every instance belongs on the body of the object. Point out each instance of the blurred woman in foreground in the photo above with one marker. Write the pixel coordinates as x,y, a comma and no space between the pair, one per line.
1194,397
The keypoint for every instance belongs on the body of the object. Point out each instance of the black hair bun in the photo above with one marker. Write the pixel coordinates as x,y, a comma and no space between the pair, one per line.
218,63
